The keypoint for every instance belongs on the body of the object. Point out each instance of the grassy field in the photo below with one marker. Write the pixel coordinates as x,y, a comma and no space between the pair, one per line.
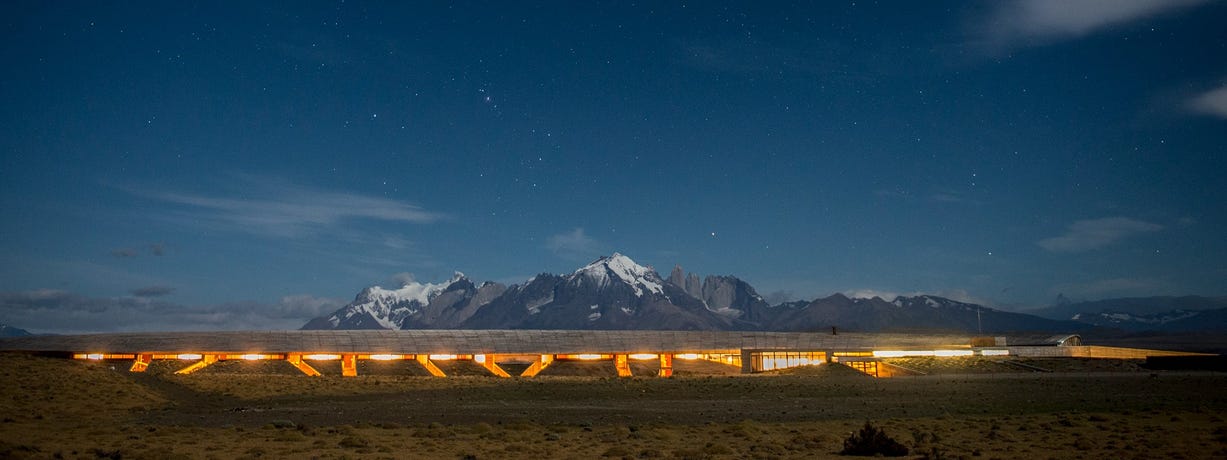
55,408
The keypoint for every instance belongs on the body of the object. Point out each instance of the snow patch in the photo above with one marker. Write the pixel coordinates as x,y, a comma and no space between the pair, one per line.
534,306
389,307
1154,319
621,268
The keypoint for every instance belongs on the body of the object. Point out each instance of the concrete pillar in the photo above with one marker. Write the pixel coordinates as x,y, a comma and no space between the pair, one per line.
487,361
141,363
295,359
624,367
538,366
666,365
349,365
434,370
198,365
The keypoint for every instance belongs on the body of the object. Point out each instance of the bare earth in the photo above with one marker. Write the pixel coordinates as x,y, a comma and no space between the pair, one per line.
56,408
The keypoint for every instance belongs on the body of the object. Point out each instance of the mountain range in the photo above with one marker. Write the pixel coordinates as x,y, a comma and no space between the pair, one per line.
614,292
1137,314
10,331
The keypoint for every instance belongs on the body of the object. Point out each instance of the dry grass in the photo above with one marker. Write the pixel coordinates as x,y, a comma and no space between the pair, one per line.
59,408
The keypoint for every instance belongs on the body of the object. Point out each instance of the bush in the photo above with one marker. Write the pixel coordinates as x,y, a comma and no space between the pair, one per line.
353,442
872,441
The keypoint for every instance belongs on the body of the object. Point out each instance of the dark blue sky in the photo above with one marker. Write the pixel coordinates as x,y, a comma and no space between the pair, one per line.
227,165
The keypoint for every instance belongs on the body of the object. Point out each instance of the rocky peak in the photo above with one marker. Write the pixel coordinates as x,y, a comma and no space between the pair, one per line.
620,269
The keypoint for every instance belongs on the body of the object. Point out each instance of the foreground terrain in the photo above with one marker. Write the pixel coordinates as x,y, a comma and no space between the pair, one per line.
56,408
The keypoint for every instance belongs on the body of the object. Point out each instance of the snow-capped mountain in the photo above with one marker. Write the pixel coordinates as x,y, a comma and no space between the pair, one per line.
619,270
412,306
1186,313
610,293
614,292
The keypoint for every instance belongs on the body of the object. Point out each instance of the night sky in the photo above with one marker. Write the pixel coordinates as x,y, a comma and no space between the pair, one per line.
239,165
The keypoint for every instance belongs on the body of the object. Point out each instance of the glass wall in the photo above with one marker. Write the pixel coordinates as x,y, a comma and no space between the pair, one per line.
771,360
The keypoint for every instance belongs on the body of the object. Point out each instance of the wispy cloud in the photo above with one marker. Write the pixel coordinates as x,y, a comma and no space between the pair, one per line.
952,197
155,249
124,253
574,245
152,291
1213,102
1028,22
871,293
55,311
279,208
1089,235
943,196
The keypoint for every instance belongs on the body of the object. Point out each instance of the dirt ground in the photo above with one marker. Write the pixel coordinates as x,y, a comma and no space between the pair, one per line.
57,408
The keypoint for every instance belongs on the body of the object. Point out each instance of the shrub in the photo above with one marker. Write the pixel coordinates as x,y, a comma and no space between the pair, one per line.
616,451
353,442
872,441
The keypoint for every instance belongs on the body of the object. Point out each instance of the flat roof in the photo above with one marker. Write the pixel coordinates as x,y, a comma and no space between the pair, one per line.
473,341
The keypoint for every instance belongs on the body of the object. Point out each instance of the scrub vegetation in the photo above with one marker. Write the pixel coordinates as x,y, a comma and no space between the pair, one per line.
57,408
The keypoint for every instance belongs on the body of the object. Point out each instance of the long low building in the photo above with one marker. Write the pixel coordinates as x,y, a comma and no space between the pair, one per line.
749,351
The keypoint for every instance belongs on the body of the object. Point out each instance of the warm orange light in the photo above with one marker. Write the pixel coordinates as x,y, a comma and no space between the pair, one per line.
322,357
642,356
252,357
950,353
102,356
386,357
588,357
994,352
687,356
189,356
901,353
442,357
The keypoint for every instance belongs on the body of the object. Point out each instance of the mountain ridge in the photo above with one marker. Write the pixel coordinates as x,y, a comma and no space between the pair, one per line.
11,331
615,292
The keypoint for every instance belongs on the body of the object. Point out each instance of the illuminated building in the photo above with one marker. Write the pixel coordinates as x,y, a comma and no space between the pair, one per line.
538,349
